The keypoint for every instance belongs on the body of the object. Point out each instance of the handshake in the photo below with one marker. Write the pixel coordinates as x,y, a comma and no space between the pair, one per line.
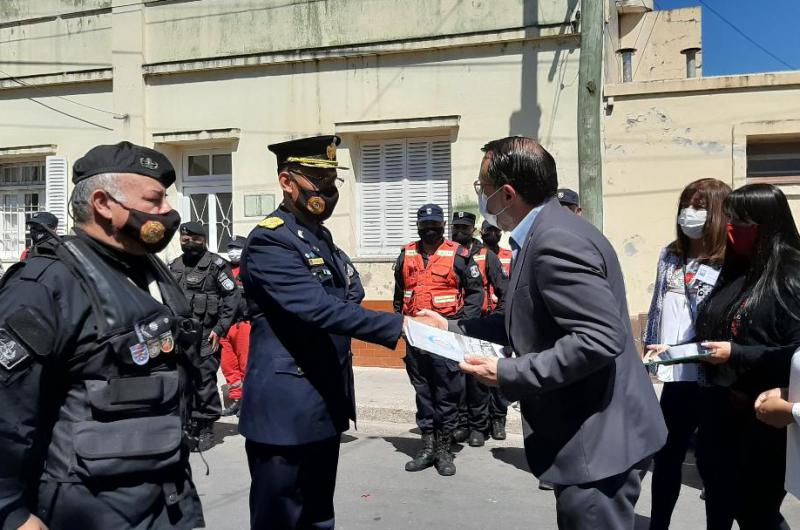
429,318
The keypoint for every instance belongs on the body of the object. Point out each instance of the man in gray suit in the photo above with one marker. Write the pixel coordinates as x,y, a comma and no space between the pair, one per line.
590,416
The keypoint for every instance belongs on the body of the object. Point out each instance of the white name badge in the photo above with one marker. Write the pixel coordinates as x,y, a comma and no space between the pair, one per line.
707,275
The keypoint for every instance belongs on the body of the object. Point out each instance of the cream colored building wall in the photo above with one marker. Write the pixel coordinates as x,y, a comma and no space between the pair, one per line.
468,71
255,26
661,136
658,38
71,36
493,90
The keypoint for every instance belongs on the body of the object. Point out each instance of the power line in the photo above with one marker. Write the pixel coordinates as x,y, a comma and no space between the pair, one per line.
28,85
743,34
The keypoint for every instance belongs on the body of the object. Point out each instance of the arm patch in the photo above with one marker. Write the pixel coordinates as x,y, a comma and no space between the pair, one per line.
32,330
12,353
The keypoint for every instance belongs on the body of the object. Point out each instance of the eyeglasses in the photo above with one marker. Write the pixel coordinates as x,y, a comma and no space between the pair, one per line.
320,183
478,185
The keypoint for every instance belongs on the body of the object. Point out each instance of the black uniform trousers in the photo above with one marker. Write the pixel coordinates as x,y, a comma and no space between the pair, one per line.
498,404
206,405
438,384
742,462
473,407
292,486
679,403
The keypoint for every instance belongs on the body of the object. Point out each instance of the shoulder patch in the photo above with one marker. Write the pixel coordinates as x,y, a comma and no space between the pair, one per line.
463,252
12,353
225,282
219,262
473,271
271,223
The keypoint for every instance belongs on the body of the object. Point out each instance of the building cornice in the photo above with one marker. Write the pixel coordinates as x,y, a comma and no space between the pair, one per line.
97,75
559,31
704,84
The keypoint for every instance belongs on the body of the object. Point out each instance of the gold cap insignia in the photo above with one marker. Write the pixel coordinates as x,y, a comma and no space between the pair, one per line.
152,232
331,151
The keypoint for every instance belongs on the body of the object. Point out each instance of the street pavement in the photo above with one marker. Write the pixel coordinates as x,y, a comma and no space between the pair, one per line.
492,488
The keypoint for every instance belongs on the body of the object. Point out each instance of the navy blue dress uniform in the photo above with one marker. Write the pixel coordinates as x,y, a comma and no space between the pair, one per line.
93,357
210,288
298,393
474,419
449,283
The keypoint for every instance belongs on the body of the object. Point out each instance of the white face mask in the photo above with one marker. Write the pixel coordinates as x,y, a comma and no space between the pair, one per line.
483,206
235,254
692,222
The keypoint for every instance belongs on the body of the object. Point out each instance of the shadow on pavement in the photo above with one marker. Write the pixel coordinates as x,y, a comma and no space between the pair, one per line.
224,430
346,438
514,456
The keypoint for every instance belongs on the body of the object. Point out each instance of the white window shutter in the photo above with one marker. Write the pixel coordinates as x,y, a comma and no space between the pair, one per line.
56,171
397,177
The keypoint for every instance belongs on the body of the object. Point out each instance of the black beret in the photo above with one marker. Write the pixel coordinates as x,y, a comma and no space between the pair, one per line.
317,151
464,218
43,218
237,242
193,228
124,157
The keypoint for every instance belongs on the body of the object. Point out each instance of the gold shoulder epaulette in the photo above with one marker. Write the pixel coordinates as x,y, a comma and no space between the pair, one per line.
271,222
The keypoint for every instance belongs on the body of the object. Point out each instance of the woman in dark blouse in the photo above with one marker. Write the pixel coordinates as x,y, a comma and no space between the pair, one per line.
751,322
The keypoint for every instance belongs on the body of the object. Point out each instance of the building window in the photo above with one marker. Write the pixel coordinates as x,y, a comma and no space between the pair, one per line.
776,160
396,177
22,193
208,194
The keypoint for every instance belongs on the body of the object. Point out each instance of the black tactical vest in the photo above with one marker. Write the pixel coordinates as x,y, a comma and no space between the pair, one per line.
199,283
124,409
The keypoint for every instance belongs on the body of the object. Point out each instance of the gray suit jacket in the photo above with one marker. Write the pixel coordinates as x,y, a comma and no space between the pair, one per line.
588,407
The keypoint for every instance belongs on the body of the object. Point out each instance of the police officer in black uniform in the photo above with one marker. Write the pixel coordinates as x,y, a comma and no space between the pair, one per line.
474,419
210,288
42,226
437,382
305,296
94,342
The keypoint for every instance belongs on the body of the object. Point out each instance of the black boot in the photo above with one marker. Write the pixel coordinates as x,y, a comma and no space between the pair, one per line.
444,456
460,435
233,409
424,458
476,439
499,429
205,440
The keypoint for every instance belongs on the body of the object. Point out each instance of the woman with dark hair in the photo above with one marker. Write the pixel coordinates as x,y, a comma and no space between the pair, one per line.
687,270
752,324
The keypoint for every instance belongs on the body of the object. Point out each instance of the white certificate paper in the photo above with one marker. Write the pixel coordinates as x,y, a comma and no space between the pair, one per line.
448,344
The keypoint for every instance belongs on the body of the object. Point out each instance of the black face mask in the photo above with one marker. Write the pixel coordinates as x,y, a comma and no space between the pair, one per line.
193,250
431,236
319,203
38,234
152,230
491,239
462,238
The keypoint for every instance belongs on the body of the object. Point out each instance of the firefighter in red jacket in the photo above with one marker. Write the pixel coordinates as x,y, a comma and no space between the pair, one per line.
437,274
236,344
475,421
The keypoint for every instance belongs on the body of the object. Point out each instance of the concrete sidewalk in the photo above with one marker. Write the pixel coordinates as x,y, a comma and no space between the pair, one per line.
386,395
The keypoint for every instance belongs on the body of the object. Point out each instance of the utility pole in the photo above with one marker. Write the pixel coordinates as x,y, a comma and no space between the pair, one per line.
590,85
